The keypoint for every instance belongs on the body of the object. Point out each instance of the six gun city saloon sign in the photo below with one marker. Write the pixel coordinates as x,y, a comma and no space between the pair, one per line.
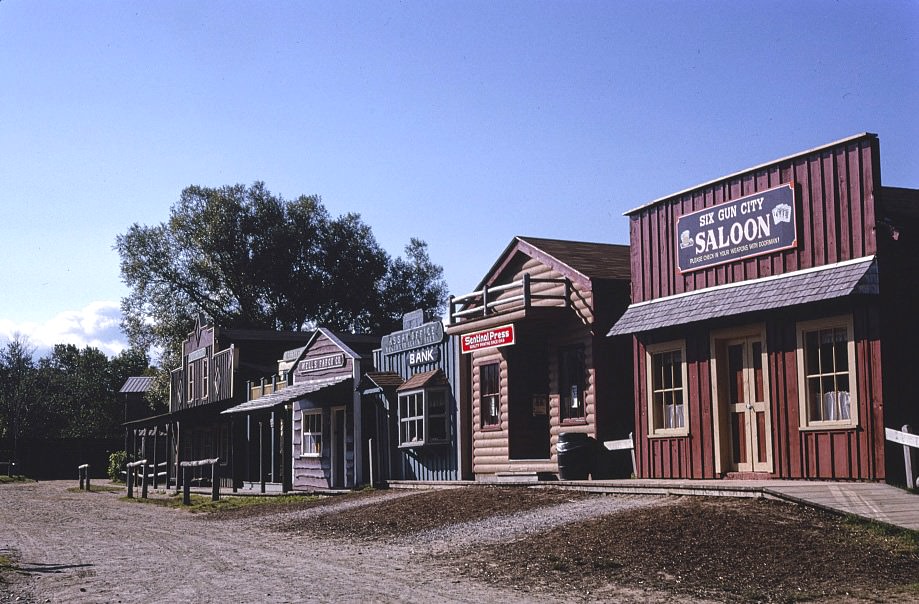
756,224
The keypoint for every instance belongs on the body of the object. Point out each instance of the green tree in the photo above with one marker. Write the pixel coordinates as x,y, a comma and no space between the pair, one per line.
250,259
22,410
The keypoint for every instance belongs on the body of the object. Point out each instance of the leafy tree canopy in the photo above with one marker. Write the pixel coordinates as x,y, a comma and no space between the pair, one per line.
250,259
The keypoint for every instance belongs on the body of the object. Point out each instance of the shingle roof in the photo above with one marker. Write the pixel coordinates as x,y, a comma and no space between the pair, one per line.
435,377
287,395
137,384
593,260
384,379
858,276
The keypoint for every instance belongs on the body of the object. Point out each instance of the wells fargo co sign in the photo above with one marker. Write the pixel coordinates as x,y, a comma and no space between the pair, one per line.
756,224
487,338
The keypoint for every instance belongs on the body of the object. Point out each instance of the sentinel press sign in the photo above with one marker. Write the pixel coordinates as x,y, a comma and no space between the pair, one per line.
756,224
487,338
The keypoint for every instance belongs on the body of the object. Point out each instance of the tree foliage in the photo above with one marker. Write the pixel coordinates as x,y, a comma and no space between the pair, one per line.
250,259
71,393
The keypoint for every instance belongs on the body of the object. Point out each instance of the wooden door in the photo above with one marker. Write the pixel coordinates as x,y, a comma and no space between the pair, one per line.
744,397
339,440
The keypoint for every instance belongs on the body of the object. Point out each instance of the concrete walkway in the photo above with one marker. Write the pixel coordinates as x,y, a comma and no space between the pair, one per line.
872,500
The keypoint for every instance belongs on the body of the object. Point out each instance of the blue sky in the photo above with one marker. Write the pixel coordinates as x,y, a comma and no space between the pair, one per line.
463,123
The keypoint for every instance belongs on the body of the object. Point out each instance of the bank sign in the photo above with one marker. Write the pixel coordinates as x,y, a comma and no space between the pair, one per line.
487,338
756,224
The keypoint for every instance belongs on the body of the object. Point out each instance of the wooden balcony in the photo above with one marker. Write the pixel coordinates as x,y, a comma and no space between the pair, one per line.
260,389
508,301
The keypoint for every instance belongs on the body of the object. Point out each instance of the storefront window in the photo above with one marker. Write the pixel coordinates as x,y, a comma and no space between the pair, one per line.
666,390
490,395
422,417
826,357
572,383
311,434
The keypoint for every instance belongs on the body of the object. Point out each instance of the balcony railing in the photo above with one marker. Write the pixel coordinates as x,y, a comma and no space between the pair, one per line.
260,389
509,296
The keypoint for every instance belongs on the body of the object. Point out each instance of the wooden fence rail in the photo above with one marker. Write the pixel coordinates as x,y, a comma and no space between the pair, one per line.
186,482
83,471
134,468
909,441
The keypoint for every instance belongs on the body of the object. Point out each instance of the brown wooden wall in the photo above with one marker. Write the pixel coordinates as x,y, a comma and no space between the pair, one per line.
828,454
604,410
835,190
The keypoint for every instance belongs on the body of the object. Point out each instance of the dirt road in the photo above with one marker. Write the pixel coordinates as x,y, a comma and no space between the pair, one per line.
91,547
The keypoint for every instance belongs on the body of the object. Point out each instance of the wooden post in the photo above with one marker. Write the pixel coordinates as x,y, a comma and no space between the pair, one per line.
452,306
911,480
186,488
261,453
84,473
143,488
129,477
156,437
215,481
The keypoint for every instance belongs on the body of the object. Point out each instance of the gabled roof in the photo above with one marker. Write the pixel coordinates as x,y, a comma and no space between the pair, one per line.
580,261
354,346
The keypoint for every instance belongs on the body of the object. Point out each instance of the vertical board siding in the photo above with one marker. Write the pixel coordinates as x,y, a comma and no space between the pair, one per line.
438,462
835,193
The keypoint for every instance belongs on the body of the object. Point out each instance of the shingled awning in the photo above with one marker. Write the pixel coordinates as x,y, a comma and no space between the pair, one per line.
859,276
288,394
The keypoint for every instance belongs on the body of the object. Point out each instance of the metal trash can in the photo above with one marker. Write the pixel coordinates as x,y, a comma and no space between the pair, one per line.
575,455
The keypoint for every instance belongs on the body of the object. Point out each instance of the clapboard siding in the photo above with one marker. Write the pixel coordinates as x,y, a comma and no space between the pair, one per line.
835,190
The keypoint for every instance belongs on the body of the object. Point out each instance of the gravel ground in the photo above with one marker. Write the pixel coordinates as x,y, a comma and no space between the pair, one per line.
93,547
475,544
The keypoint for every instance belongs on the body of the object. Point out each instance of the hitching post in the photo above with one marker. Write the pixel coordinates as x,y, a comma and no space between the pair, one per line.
215,482
130,479
911,481
186,488
143,480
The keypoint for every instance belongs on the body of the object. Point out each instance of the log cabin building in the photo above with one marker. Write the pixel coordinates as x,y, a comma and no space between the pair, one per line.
417,382
538,364
771,322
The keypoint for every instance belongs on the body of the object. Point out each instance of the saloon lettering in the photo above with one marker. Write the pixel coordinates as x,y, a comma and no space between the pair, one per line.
748,226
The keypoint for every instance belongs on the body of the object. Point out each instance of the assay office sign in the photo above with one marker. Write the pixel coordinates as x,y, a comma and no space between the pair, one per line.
749,226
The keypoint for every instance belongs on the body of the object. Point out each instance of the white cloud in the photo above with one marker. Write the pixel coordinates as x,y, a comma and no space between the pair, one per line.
96,325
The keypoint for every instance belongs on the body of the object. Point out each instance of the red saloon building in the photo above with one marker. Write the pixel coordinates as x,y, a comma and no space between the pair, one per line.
772,320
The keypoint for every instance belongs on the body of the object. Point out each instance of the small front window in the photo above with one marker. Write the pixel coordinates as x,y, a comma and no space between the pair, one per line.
311,434
572,383
490,395
422,417
191,382
667,390
826,352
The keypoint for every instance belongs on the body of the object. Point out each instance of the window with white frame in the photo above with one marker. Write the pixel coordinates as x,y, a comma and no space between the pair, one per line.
667,390
572,378
311,433
191,382
826,373
422,417
490,395
204,378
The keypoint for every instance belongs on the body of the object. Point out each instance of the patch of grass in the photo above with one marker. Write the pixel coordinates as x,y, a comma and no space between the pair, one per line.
203,503
7,565
903,540
97,488
4,479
